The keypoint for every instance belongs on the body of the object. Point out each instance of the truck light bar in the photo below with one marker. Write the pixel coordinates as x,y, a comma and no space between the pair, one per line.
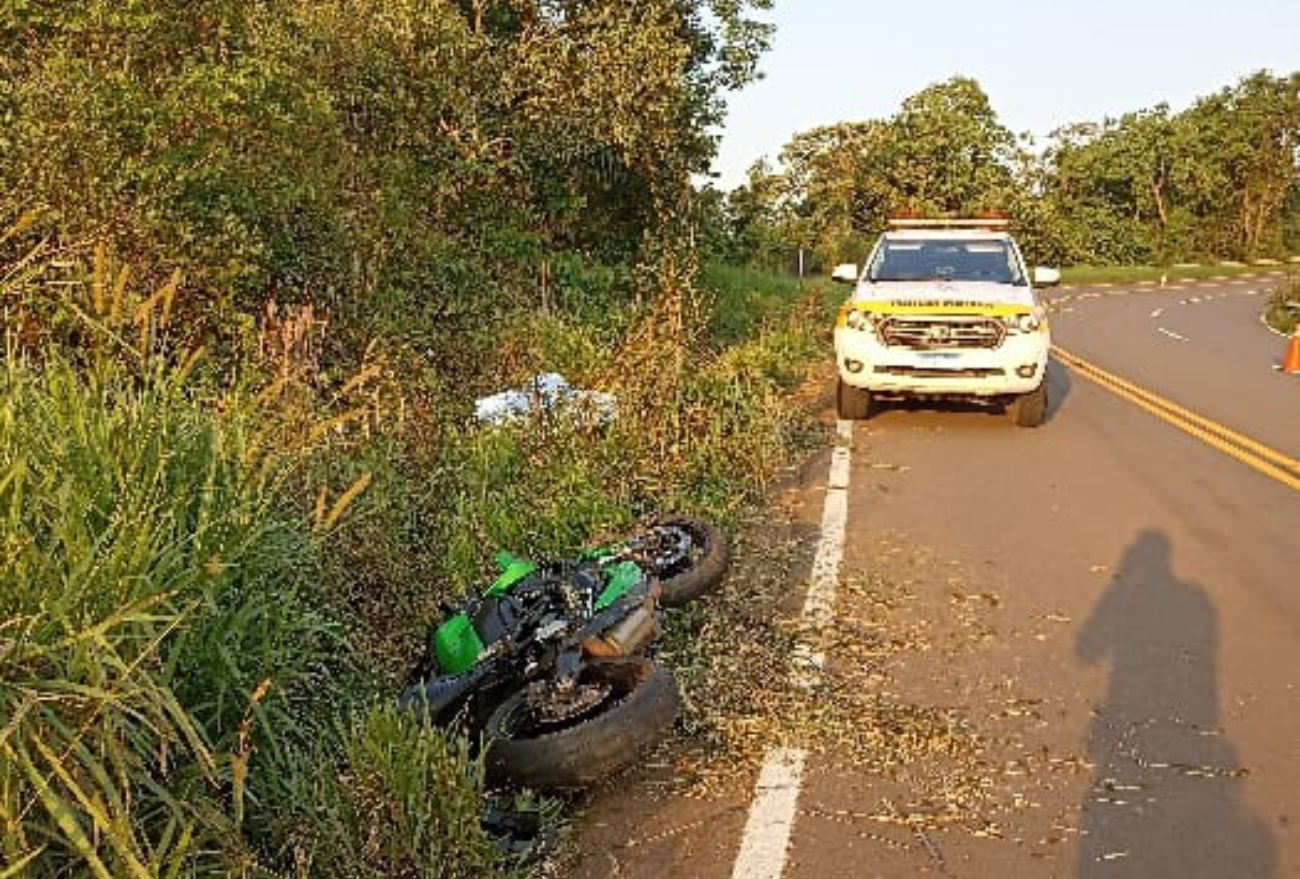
950,223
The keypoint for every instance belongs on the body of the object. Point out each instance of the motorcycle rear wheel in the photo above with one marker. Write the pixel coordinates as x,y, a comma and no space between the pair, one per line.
700,569
637,711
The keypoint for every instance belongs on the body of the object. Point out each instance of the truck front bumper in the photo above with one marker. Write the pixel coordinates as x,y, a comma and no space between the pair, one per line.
1017,366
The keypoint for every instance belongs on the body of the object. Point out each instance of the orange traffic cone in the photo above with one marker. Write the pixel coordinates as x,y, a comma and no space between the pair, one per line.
1291,361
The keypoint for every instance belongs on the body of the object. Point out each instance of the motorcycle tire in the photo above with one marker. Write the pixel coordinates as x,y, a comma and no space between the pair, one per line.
636,714
707,565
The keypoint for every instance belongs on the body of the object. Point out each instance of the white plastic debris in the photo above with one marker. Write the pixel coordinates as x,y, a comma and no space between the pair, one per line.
547,392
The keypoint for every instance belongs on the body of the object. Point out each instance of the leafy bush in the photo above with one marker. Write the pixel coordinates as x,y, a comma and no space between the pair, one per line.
1282,310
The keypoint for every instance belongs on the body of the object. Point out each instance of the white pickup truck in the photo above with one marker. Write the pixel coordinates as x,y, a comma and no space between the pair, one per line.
944,309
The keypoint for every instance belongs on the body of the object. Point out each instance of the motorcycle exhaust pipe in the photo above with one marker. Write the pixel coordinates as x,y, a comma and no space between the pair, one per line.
628,636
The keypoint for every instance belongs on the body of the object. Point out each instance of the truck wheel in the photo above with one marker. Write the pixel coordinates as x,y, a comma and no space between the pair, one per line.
1029,410
852,403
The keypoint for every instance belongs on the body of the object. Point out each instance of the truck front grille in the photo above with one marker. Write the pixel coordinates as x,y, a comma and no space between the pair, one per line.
930,334
939,372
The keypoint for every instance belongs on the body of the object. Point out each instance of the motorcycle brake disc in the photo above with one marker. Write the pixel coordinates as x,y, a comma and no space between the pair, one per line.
558,704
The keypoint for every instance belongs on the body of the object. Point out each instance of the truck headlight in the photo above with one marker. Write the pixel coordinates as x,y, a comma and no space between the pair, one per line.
1028,322
860,320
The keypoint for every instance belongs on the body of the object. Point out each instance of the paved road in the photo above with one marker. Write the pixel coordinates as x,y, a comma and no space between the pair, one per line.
1201,345
1104,611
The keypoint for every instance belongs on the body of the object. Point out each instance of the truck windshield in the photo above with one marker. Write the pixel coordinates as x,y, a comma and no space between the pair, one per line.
986,260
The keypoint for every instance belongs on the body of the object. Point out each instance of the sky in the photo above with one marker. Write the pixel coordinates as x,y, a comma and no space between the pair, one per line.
1042,63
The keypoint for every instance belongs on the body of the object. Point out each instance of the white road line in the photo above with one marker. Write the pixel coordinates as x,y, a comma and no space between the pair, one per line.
819,602
1157,312
767,832
1171,334
766,839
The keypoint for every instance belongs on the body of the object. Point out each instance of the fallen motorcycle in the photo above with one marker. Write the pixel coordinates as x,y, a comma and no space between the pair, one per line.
549,665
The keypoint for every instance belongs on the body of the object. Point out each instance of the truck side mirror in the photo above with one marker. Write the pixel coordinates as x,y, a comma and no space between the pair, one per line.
1046,277
845,273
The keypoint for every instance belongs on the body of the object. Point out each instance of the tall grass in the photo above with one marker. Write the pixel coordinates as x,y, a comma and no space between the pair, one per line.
169,686
131,532
744,299
702,424
173,675
406,801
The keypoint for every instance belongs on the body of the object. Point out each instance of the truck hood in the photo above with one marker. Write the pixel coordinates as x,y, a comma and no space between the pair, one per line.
943,294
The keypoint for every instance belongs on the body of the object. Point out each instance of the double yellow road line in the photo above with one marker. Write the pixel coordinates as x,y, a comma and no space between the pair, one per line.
1255,455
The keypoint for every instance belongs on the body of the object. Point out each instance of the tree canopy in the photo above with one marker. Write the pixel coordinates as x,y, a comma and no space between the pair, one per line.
1216,180
426,150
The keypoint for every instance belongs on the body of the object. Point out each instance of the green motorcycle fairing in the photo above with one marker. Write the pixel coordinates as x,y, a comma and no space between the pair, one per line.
456,643
620,577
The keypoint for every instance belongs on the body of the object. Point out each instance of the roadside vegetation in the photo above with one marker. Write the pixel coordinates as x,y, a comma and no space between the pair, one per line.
1282,310
257,262
217,574
1082,275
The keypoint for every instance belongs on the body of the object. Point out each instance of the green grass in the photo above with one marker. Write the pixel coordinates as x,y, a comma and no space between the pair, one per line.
1088,275
149,587
405,801
744,298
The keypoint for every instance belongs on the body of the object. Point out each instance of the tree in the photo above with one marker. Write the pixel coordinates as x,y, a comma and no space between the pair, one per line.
1250,144
838,184
1128,178
1213,180
950,153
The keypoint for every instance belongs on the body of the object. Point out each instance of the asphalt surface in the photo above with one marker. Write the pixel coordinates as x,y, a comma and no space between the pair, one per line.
1105,610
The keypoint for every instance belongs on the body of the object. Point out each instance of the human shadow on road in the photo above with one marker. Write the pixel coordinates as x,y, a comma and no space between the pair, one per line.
1164,801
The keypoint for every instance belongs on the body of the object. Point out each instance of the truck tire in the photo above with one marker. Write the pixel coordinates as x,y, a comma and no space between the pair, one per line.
1029,410
639,710
852,403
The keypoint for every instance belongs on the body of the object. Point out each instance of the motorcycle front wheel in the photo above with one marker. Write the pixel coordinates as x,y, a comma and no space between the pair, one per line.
638,705
688,556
